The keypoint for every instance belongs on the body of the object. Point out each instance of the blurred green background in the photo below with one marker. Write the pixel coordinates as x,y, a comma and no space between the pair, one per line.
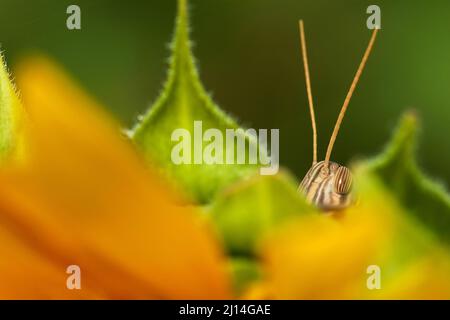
248,53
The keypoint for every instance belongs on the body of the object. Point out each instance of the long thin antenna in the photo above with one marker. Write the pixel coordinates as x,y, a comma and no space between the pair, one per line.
349,95
308,89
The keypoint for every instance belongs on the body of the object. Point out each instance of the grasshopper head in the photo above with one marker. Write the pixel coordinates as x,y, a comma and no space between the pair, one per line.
328,186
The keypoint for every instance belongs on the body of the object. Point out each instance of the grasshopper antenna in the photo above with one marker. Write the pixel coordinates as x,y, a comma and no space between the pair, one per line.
308,89
349,95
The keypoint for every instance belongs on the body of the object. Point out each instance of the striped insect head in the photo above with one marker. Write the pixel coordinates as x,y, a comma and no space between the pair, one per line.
328,185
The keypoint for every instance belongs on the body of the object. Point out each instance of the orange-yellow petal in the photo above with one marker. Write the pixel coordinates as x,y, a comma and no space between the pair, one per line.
42,278
428,278
326,257
91,201
319,258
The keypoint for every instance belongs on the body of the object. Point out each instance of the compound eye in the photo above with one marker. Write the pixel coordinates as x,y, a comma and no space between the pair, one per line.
334,167
343,181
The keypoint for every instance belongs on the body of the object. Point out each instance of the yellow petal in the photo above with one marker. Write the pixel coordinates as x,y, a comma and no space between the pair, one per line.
326,257
42,279
90,193
319,259
427,278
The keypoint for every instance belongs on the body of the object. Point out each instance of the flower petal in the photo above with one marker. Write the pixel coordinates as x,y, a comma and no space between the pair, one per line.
88,192
32,275
327,256
319,258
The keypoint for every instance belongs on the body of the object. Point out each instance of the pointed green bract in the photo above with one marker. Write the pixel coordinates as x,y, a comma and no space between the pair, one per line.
10,116
248,210
183,101
426,200
414,209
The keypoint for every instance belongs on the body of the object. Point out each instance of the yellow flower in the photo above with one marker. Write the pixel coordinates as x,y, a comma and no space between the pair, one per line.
84,198
328,257
324,257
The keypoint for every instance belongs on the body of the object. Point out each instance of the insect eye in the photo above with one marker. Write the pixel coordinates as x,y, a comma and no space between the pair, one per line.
334,166
343,181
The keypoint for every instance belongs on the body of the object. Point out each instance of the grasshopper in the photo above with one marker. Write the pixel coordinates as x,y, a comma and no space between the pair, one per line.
327,184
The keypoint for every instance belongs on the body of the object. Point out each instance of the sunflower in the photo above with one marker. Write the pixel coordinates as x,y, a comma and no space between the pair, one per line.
76,191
